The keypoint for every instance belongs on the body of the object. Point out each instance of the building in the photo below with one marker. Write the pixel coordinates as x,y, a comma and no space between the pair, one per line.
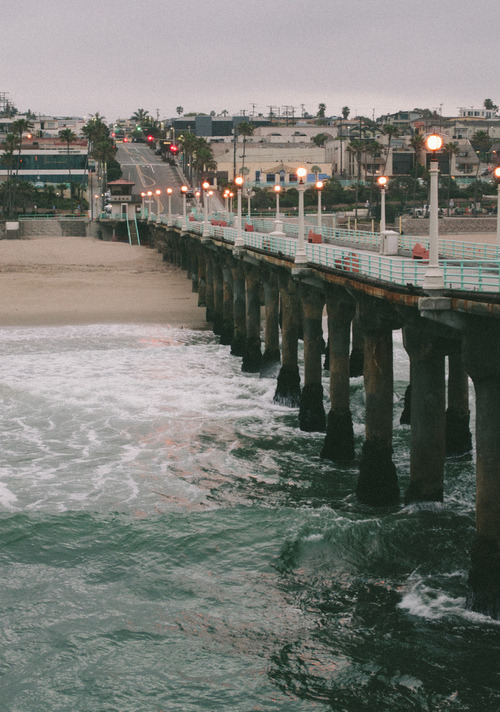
50,160
478,113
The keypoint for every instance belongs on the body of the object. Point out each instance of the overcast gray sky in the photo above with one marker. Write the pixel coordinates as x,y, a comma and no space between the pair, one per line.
69,57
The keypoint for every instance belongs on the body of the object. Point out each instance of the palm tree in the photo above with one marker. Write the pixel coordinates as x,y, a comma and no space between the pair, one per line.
140,116
8,159
489,105
180,110
103,151
68,136
390,131
204,160
345,112
245,128
450,149
316,170
357,146
18,127
417,142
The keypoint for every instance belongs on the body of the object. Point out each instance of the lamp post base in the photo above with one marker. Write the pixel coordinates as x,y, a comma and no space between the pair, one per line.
434,278
301,259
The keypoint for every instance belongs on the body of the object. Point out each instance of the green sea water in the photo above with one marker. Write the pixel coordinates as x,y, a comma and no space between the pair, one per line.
170,541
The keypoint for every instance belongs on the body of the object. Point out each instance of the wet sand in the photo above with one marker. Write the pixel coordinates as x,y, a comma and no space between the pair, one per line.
82,280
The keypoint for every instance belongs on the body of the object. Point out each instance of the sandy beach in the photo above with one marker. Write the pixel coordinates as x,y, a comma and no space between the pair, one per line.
82,280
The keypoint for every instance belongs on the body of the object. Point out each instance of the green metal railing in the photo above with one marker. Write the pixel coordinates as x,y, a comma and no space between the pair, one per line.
454,248
51,216
466,266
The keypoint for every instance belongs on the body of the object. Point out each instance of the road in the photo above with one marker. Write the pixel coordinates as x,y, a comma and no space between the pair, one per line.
149,172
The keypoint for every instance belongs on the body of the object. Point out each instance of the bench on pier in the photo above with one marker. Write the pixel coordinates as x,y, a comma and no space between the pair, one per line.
314,237
419,252
348,263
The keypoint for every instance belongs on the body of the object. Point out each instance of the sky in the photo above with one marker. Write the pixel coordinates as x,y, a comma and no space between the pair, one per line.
76,58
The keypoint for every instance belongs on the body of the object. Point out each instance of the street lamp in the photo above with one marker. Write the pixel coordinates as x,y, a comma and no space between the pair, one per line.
226,200
158,193
434,278
169,193
206,229
197,196
496,173
231,196
150,195
382,182
210,193
143,196
184,189
239,241
278,224
319,187
300,255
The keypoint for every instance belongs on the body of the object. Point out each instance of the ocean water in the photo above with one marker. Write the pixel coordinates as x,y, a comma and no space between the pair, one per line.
170,541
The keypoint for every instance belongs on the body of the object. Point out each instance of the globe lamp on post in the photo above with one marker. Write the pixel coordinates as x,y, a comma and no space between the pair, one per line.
496,173
150,195
434,277
319,187
143,200
206,229
300,255
158,193
239,241
169,194
382,184
278,224
184,189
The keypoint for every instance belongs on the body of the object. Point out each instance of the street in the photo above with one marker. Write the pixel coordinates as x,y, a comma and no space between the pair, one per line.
149,172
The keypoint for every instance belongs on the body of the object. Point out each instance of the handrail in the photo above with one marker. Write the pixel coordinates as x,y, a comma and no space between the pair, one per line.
51,216
128,230
137,229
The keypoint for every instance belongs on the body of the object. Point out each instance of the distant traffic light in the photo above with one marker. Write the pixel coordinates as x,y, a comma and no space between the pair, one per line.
150,138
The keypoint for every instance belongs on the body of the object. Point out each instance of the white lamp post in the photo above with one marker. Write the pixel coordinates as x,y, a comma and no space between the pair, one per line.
278,224
158,193
496,173
169,193
239,241
231,196
184,212
226,201
300,255
143,197
249,198
150,195
197,196
319,187
382,182
434,278
206,228
210,193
